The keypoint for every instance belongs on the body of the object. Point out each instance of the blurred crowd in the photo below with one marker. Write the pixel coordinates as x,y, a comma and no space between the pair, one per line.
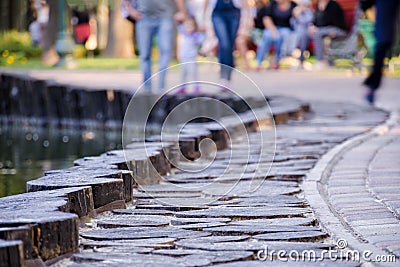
272,29
254,34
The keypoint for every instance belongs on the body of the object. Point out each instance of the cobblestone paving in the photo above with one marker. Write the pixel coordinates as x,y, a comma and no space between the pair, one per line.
236,229
364,188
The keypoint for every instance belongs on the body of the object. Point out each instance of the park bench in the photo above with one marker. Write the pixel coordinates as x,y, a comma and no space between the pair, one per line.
340,48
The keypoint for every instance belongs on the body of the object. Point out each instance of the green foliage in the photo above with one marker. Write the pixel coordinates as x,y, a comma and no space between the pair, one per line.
17,47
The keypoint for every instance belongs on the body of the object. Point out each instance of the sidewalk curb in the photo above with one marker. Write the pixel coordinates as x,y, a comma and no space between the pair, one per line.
315,191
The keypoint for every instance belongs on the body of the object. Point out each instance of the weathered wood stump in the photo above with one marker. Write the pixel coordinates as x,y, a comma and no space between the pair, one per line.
11,253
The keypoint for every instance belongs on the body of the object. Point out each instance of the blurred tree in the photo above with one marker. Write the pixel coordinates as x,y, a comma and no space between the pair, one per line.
14,15
120,34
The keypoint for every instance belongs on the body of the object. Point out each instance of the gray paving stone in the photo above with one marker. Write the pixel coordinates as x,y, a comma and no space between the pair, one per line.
378,214
243,190
286,262
143,212
292,236
345,181
280,221
182,203
156,243
394,244
355,195
150,195
365,204
256,230
361,211
122,250
195,220
167,188
374,221
250,245
346,189
140,233
214,256
383,229
131,259
349,199
221,238
167,206
383,238
133,221
200,226
264,201
245,213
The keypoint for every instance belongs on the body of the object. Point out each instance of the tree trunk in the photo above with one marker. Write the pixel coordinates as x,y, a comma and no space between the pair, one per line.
49,54
120,34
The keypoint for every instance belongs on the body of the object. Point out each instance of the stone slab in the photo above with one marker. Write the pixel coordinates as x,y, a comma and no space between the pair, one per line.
245,213
140,233
133,221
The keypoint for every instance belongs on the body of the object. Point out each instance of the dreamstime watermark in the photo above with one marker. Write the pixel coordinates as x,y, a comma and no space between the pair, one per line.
340,252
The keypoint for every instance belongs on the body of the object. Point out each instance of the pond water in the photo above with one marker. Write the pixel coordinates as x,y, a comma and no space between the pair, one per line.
26,153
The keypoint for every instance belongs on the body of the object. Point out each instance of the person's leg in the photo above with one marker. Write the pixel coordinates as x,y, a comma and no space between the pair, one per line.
144,36
221,31
302,42
386,14
165,44
264,46
225,27
184,71
233,20
292,41
192,74
322,32
319,42
283,36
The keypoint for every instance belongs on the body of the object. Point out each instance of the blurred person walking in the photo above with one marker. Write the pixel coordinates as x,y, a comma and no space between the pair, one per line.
155,18
225,18
387,13
190,42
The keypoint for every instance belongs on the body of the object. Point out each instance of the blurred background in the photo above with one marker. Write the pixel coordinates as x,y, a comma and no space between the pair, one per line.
34,33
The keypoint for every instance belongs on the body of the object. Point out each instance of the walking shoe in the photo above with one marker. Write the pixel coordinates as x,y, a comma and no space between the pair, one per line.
370,96
275,66
258,68
225,85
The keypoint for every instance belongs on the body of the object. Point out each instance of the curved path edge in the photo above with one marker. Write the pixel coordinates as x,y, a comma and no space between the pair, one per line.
315,191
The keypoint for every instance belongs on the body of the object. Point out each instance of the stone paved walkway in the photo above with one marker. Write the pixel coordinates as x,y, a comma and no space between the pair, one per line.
363,188
241,228
360,190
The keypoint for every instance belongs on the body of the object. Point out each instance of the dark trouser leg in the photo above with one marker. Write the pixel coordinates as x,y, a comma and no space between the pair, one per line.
386,14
